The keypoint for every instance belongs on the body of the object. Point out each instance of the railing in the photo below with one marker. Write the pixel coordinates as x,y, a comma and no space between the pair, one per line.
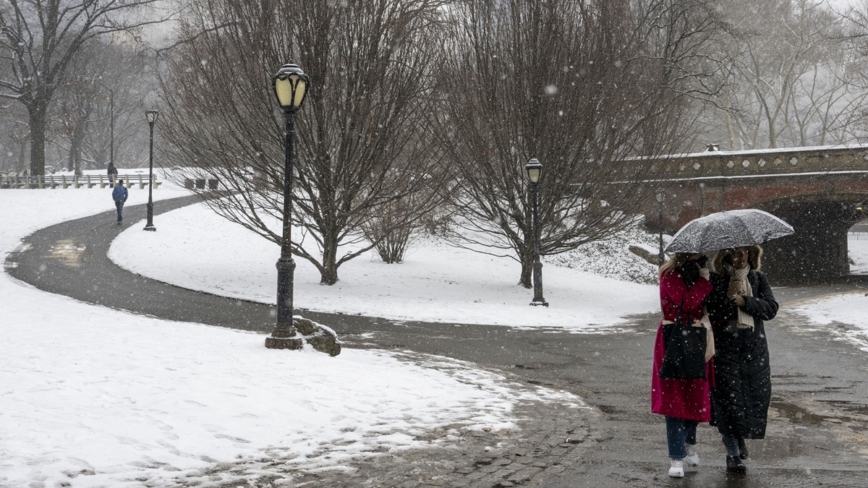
809,161
63,181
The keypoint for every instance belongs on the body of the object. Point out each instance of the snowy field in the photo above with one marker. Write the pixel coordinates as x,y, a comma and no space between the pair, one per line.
194,248
93,397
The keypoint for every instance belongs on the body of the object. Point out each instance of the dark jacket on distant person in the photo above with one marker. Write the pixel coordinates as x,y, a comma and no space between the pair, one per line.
120,193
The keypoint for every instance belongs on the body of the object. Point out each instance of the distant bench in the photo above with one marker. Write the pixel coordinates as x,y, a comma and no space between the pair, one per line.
63,181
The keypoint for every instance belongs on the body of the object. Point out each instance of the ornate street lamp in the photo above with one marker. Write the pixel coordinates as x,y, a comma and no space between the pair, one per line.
290,87
534,169
660,195
152,119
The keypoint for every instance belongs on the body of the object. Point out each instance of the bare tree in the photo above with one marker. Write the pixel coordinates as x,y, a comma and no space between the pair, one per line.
826,103
684,37
855,40
791,81
359,144
391,239
77,101
75,112
582,87
14,137
38,41
129,71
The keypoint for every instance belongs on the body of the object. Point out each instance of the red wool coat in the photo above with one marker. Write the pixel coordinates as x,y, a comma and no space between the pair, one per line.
684,399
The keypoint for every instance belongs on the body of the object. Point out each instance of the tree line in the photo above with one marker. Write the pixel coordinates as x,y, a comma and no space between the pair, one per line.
423,113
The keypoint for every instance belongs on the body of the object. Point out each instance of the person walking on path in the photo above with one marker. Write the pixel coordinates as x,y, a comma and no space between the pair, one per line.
740,301
119,195
684,402
112,173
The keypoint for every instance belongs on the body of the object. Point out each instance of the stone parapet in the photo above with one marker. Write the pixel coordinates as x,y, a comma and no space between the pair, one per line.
728,164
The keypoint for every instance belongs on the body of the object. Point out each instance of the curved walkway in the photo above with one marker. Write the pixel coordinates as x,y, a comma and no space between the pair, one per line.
71,259
619,444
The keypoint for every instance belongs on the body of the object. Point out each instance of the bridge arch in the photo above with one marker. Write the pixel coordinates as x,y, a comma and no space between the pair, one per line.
817,251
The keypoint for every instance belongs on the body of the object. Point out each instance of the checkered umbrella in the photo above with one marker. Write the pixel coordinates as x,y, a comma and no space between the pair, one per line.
732,228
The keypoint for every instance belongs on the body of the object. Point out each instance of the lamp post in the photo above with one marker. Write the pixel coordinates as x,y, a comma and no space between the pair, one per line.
152,119
660,195
534,169
111,123
290,87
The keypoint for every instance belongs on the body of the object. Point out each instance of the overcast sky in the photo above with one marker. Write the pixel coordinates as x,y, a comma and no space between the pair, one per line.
843,4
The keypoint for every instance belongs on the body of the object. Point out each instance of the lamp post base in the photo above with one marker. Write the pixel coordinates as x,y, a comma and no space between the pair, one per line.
149,225
538,283
283,343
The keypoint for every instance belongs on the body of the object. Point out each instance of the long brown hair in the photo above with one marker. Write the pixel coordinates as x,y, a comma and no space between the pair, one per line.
724,256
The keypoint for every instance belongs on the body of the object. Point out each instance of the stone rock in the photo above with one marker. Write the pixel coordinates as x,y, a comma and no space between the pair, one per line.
322,338
644,254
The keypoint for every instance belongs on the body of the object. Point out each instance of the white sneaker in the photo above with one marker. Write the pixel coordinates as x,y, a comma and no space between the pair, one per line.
676,469
692,458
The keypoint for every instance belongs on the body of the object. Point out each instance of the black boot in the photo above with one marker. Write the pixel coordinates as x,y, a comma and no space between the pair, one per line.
734,465
742,448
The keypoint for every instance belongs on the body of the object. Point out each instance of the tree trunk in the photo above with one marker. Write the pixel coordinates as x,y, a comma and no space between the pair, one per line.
76,143
526,266
37,140
329,274
22,154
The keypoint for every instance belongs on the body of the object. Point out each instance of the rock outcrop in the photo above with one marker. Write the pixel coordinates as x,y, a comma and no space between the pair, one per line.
322,338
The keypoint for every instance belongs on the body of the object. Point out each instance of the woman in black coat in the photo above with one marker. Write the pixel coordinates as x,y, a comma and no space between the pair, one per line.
740,301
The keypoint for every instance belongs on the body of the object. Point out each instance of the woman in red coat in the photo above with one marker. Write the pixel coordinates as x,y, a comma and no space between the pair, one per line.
683,286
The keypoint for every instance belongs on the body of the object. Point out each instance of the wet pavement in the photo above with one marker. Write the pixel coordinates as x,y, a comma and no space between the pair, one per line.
818,423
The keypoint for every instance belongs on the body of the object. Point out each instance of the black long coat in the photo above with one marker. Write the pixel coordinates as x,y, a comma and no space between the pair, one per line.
743,390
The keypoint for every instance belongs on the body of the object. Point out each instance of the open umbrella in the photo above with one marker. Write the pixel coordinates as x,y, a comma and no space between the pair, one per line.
731,228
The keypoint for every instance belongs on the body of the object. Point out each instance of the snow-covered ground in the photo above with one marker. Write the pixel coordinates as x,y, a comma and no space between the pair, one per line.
93,397
194,248
841,316
857,245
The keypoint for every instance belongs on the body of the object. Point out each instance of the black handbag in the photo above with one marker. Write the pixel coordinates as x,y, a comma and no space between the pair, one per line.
684,350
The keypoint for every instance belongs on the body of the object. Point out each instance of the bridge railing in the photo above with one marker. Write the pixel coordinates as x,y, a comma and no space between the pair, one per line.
758,163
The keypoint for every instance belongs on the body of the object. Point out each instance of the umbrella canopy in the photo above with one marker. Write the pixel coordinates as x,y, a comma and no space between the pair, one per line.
732,228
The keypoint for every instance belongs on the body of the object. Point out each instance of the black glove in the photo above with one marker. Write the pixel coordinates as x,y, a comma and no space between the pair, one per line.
689,272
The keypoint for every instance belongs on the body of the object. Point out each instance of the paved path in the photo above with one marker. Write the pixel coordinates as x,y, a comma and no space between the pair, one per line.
817,433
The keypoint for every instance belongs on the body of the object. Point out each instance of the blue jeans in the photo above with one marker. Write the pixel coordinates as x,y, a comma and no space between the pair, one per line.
731,445
680,432
120,206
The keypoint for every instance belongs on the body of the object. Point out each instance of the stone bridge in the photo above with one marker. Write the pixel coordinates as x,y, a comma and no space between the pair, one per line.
820,191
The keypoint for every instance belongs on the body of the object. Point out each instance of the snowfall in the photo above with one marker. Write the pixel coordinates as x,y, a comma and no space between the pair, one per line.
94,397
